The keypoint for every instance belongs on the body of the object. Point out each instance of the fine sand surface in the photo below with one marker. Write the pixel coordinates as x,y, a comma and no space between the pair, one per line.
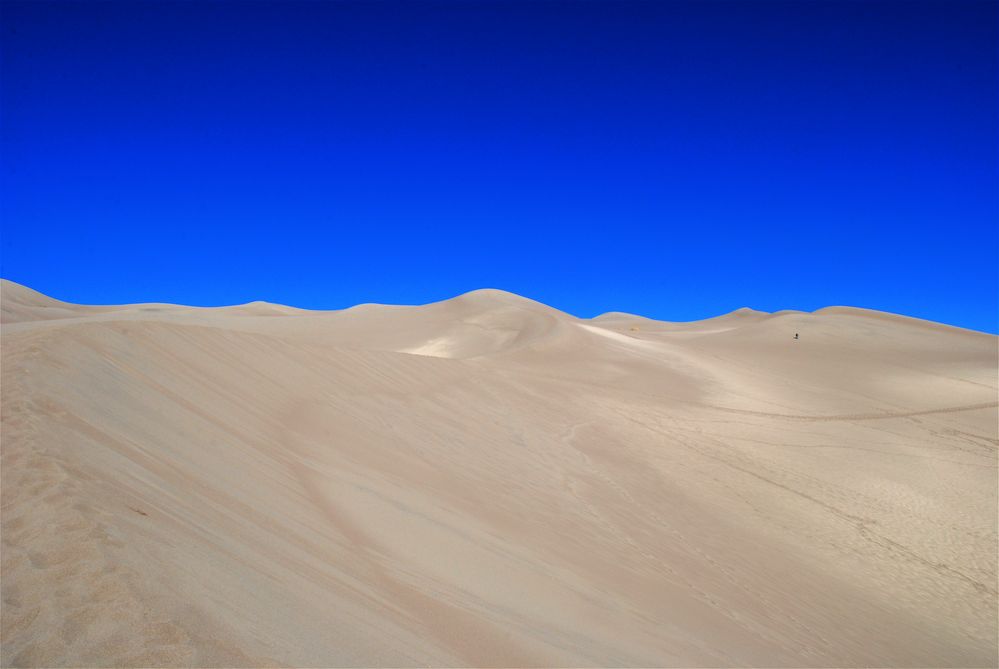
487,481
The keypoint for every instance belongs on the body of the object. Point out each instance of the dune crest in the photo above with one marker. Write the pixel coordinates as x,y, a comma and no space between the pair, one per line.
488,481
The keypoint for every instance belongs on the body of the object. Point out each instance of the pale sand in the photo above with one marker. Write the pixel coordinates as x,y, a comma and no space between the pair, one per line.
488,481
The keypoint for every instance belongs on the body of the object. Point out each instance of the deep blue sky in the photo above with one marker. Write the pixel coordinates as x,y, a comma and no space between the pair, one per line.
670,159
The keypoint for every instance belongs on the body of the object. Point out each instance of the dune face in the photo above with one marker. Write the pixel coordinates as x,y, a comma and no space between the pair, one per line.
487,481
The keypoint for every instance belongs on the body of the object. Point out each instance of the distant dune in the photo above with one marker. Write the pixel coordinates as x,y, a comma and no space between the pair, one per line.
487,481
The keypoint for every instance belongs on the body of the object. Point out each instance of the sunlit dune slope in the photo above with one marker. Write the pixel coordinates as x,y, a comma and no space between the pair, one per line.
487,481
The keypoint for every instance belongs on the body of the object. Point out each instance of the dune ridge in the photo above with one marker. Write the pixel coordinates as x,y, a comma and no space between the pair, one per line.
488,481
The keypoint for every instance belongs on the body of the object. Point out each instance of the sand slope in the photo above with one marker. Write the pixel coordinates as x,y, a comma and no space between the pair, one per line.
489,481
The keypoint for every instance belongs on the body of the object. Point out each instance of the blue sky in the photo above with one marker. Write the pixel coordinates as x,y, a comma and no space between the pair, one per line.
677,160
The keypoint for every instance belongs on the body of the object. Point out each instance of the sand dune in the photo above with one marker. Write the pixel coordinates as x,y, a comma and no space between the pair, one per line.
488,481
